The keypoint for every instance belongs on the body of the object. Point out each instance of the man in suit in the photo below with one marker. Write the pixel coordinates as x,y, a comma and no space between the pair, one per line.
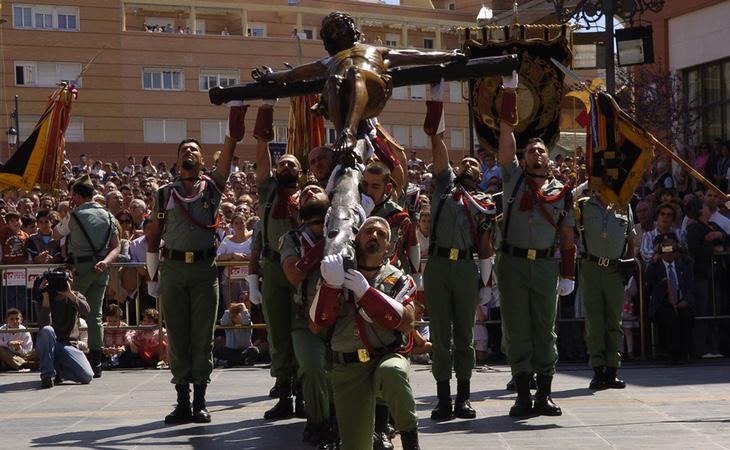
671,306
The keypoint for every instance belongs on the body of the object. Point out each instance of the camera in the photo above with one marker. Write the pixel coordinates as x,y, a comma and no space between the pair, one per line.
56,283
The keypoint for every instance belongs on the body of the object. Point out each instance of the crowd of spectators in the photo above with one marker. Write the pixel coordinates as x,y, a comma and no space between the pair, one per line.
676,219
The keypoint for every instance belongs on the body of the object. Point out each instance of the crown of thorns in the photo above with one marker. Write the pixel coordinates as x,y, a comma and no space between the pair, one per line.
327,32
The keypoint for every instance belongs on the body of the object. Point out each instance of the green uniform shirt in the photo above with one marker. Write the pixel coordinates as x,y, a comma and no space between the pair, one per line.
386,210
180,233
275,228
292,245
346,337
100,225
453,229
604,231
530,229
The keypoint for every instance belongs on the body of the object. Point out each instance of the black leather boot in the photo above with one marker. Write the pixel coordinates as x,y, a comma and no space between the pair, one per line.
613,382
284,408
381,437
299,407
523,403
443,409
200,413
95,361
511,385
544,404
409,440
462,406
182,412
598,382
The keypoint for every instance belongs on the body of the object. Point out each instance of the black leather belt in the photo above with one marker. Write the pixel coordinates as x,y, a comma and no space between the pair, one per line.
603,262
85,259
272,255
529,253
453,254
190,257
363,355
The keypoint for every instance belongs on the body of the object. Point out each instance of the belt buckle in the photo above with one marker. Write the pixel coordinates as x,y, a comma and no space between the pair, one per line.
454,254
531,254
603,262
363,355
189,257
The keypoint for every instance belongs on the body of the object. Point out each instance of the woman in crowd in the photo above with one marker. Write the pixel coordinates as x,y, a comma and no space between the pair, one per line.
234,248
147,168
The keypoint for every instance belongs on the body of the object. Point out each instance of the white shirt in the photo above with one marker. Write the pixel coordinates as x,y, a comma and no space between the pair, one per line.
228,246
23,336
721,220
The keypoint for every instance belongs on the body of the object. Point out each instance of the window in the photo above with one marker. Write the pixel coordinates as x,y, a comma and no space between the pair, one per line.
418,137
158,79
45,74
400,134
212,131
455,92
418,92
427,43
257,30
281,132
457,138
307,33
707,90
199,26
452,6
400,93
392,39
330,136
212,78
160,131
46,17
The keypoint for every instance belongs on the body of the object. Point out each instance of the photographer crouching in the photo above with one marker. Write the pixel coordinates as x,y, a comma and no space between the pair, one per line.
57,341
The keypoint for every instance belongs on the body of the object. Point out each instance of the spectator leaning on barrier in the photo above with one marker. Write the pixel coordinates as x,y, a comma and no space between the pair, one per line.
14,251
16,349
42,248
57,341
114,340
238,349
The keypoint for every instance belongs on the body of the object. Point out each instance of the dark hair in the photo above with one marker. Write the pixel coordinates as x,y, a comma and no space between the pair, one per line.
188,141
113,310
693,208
331,20
12,312
378,168
535,140
152,314
27,220
11,215
42,214
83,190
665,206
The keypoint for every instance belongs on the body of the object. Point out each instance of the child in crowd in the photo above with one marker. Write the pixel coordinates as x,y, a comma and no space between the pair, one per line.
238,349
114,349
14,251
16,349
145,344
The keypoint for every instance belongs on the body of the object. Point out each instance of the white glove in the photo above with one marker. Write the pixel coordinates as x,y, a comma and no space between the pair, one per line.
367,204
485,295
356,282
437,91
485,269
510,82
565,286
418,278
333,272
153,288
153,262
254,293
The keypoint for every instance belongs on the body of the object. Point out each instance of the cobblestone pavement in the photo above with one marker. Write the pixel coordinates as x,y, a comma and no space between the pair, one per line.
679,407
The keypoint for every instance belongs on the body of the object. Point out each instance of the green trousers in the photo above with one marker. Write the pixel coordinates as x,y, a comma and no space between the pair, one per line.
93,285
189,299
355,387
311,354
528,305
452,294
602,291
279,314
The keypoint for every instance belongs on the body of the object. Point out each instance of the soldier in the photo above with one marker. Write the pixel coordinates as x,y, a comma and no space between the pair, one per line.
459,220
186,217
301,253
277,210
372,318
93,243
606,238
537,217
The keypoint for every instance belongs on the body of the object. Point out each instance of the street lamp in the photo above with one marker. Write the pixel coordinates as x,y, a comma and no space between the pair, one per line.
12,136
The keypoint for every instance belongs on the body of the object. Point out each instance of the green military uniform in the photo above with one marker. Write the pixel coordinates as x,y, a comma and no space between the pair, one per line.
451,279
399,222
528,272
310,349
276,290
358,380
604,234
189,277
91,228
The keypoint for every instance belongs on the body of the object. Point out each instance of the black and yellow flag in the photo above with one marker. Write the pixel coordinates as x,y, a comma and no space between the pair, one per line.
38,160
620,151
